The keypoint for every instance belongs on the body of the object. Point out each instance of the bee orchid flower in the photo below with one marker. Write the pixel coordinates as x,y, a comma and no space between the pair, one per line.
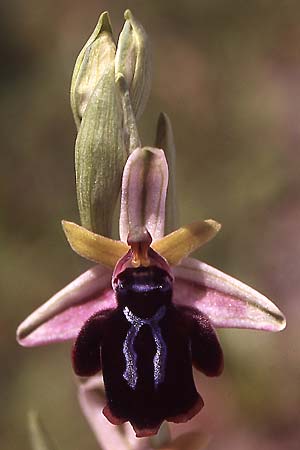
146,312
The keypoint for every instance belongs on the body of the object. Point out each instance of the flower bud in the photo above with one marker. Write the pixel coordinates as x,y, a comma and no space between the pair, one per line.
92,62
134,62
99,150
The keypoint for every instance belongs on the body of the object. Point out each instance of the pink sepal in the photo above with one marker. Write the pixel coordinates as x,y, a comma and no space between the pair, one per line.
61,317
144,188
226,301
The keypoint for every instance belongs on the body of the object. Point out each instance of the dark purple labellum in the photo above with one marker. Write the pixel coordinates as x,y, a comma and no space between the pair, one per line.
146,348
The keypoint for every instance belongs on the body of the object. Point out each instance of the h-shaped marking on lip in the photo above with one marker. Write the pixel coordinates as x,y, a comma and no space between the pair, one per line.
159,359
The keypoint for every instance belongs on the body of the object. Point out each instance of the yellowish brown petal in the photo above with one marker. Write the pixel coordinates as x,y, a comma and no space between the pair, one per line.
93,246
185,240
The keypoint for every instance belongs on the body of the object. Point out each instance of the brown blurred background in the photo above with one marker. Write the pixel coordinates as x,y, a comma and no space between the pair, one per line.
228,75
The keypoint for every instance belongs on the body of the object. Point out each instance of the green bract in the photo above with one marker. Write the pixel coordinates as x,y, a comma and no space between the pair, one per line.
165,140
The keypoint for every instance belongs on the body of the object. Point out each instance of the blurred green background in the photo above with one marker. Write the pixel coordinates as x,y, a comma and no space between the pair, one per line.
228,75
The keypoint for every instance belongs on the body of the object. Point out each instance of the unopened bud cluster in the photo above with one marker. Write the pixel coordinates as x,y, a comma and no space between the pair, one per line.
109,91
98,99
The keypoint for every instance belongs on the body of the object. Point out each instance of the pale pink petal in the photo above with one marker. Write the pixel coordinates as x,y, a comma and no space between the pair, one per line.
144,187
92,401
61,317
226,301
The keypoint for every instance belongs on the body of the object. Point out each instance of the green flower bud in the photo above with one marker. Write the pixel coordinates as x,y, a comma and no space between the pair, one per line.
99,150
165,141
92,62
134,62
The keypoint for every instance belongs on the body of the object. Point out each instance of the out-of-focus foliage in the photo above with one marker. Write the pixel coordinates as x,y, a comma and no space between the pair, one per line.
39,438
228,75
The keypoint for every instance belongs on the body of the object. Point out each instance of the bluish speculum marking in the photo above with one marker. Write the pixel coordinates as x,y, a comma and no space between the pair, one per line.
159,361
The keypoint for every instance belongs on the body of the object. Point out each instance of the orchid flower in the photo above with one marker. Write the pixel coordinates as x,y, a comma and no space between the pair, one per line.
146,312
205,296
